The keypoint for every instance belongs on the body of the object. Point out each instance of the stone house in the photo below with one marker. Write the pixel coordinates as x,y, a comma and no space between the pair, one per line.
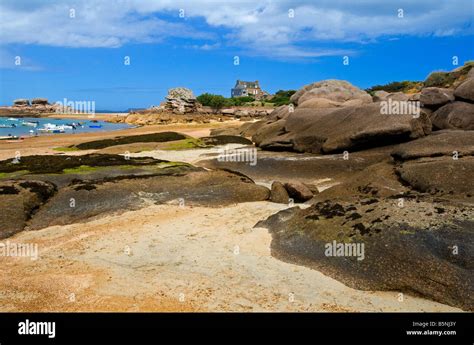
248,88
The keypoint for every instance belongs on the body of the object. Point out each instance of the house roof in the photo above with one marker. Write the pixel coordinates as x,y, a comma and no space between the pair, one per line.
247,84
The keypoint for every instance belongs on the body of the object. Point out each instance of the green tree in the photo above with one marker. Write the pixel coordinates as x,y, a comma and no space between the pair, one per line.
205,99
217,102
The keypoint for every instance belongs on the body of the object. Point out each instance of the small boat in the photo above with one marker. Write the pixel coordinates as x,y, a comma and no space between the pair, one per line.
52,128
30,123
95,126
12,119
8,126
9,138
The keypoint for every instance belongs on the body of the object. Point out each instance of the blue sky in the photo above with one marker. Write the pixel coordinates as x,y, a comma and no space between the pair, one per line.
82,57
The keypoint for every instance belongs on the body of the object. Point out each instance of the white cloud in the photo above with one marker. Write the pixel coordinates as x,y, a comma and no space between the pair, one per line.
260,27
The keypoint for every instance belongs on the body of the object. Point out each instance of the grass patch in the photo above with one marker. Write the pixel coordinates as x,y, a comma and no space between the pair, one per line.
5,175
66,149
185,144
82,169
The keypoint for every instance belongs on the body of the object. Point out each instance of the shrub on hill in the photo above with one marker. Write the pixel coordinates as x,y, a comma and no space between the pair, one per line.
282,97
397,86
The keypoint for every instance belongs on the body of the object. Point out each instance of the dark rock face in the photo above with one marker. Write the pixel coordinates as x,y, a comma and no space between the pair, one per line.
441,164
456,115
418,248
41,101
440,143
405,225
143,138
21,101
435,96
19,200
56,164
278,193
465,91
440,175
57,190
298,191
94,198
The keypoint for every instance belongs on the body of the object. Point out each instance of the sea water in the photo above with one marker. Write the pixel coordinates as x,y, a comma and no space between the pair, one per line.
21,130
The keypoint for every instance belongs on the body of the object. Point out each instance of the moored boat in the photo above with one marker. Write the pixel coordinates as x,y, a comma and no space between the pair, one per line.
30,123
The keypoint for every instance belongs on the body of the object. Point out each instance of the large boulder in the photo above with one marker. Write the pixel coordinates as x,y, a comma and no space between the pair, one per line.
440,143
317,102
456,115
282,112
380,95
333,90
348,128
269,131
410,226
21,101
278,193
408,249
440,175
39,101
465,91
298,191
181,100
435,96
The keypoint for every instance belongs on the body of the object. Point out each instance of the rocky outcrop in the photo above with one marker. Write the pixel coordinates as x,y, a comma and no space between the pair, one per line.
434,97
418,248
23,107
440,164
440,143
21,102
407,226
338,91
440,175
465,91
181,100
333,130
40,101
95,185
456,115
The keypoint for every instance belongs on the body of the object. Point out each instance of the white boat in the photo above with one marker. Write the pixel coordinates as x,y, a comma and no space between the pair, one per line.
7,126
12,119
30,123
52,128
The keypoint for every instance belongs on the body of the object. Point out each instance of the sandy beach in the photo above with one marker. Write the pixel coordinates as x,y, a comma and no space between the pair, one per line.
172,258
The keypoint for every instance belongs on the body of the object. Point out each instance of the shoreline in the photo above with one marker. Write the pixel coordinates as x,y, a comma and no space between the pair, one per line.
44,144
96,116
